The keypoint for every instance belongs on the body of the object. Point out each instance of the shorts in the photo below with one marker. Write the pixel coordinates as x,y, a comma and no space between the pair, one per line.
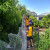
28,38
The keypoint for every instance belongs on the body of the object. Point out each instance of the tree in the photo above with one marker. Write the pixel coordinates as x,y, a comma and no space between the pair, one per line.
10,18
47,19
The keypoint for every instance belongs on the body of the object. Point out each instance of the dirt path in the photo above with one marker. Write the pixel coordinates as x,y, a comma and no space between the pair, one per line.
32,48
41,30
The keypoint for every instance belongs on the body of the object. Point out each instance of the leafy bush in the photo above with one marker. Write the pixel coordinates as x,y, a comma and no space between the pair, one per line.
44,40
46,20
4,36
10,17
35,37
43,24
34,20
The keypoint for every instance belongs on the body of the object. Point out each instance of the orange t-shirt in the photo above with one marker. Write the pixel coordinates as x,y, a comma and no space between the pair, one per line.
27,22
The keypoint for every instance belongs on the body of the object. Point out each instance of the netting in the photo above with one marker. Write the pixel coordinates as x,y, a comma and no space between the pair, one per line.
3,45
17,42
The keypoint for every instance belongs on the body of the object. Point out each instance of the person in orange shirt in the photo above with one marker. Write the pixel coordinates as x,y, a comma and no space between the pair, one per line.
27,21
29,35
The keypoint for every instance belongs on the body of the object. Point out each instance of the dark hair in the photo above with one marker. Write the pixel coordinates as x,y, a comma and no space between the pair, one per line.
30,25
27,15
30,20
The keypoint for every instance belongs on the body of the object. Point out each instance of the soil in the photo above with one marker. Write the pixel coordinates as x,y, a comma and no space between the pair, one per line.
32,48
41,30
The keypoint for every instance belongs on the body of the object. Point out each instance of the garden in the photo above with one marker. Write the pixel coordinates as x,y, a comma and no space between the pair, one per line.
11,13
10,18
41,41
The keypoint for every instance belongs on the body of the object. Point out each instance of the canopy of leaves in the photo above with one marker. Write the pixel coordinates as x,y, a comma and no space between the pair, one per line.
44,40
45,23
47,18
35,21
10,17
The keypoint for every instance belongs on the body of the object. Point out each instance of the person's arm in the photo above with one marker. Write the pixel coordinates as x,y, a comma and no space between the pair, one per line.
38,27
27,30
33,28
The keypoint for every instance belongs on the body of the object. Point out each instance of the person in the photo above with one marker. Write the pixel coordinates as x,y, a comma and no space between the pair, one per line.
29,35
27,21
32,26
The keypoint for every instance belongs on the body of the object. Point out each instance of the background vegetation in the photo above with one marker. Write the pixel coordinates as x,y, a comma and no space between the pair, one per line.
10,17
11,13
45,23
44,40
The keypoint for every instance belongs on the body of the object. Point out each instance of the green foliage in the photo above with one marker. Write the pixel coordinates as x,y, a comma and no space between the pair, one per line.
45,23
35,37
47,35
47,20
35,21
43,44
41,24
4,36
44,40
22,9
28,14
10,17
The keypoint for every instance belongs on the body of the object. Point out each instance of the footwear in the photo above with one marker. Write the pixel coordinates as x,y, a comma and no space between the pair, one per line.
28,47
32,45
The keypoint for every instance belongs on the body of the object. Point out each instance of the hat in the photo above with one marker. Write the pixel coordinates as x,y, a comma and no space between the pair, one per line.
30,23
27,15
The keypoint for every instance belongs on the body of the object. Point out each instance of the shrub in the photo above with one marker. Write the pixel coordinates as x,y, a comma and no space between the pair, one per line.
44,40
4,36
34,20
10,18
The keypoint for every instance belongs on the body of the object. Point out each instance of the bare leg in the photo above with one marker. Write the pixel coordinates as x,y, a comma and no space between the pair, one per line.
31,42
28,43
